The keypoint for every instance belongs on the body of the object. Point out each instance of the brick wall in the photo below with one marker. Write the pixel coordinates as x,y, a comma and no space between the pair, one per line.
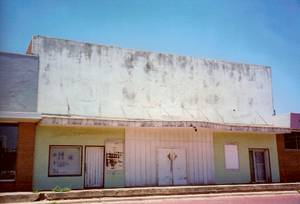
24,163
289,162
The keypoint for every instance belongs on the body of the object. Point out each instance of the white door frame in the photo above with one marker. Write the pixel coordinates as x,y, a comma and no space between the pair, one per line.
267,166
85,165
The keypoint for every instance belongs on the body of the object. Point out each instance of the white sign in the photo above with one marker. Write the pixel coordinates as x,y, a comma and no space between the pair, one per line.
231,156
65,160
114,154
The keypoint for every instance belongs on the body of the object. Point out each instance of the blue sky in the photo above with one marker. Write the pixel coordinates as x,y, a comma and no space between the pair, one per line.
257,32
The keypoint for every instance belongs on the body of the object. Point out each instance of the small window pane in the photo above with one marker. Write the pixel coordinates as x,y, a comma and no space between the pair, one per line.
65,161
231,156
8,151
290,141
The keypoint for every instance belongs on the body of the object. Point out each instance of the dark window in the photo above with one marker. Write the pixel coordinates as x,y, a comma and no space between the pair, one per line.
292,141
8,151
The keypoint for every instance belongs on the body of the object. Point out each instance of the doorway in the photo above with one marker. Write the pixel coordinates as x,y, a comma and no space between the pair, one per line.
171,167
94,167
260,165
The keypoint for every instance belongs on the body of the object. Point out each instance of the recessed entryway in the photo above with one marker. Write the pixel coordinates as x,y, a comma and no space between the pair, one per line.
260,165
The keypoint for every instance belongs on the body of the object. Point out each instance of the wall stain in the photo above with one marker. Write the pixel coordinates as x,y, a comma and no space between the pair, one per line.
129,62
250,101
148,67
204,84
212,99
47,68
182,61
128,94
87,50
240,78
49,45
164,75
253,76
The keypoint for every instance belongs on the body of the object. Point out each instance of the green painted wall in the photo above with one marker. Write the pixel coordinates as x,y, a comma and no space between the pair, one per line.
46,136
244,141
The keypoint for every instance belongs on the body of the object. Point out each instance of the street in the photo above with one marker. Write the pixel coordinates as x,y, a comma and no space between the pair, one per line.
288,197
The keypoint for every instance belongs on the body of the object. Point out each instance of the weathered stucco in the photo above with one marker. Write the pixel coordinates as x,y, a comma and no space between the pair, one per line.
46,136
244,142
18,82
94,80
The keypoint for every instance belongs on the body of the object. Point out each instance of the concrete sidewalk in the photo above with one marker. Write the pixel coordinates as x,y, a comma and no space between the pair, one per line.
13,197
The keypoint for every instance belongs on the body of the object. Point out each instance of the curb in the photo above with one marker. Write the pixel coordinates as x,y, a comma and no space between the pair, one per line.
144,191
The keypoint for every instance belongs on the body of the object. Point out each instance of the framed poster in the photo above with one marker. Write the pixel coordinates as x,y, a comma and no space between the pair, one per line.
65,160
114,155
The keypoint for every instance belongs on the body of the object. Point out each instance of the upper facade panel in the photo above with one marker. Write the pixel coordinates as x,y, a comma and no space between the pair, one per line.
18,82
95,80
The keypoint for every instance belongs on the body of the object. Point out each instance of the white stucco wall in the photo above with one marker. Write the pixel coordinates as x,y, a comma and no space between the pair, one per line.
95,80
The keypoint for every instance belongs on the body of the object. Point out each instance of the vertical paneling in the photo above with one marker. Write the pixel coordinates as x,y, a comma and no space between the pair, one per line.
141,146
94,167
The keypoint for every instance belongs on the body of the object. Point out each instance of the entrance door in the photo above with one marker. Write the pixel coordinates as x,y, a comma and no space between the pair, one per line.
94,160
260,168
171,167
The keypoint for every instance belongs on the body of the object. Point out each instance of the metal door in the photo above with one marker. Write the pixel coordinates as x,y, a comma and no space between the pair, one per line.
94,171
171,167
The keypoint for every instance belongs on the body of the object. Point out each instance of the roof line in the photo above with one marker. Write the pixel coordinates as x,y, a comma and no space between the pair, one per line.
157,52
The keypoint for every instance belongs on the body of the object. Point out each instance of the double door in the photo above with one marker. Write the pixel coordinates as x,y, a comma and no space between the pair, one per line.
171,166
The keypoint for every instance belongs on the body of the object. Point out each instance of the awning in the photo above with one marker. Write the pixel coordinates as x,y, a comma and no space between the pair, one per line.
7,116
54,120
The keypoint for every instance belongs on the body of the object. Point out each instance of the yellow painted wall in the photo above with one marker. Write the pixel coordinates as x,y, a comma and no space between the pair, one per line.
244,142
46,136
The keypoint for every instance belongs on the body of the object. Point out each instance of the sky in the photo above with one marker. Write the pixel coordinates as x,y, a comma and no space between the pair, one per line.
254,31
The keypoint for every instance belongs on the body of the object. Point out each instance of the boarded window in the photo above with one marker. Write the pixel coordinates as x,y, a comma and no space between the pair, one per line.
65,160
231,156
8,151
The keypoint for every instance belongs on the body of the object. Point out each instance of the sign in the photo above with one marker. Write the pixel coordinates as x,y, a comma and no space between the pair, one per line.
65,160
114,155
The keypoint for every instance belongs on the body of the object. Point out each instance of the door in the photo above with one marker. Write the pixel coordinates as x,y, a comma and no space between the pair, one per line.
260,168
94,167
171,167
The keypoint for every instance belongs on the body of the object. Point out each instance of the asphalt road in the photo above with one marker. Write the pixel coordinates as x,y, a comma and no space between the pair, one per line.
282,197
269,198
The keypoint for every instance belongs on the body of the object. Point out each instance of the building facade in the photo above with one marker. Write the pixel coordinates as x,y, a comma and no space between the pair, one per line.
288,146
114,117
18,118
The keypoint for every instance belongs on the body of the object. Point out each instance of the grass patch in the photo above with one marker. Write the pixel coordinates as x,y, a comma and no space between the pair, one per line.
60,189
35,190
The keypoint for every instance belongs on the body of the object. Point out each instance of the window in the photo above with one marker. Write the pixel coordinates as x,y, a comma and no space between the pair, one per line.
65,160
231,156
8,151
292,141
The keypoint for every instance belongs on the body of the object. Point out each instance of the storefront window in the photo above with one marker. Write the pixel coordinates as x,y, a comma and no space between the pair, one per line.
8,151
65,160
